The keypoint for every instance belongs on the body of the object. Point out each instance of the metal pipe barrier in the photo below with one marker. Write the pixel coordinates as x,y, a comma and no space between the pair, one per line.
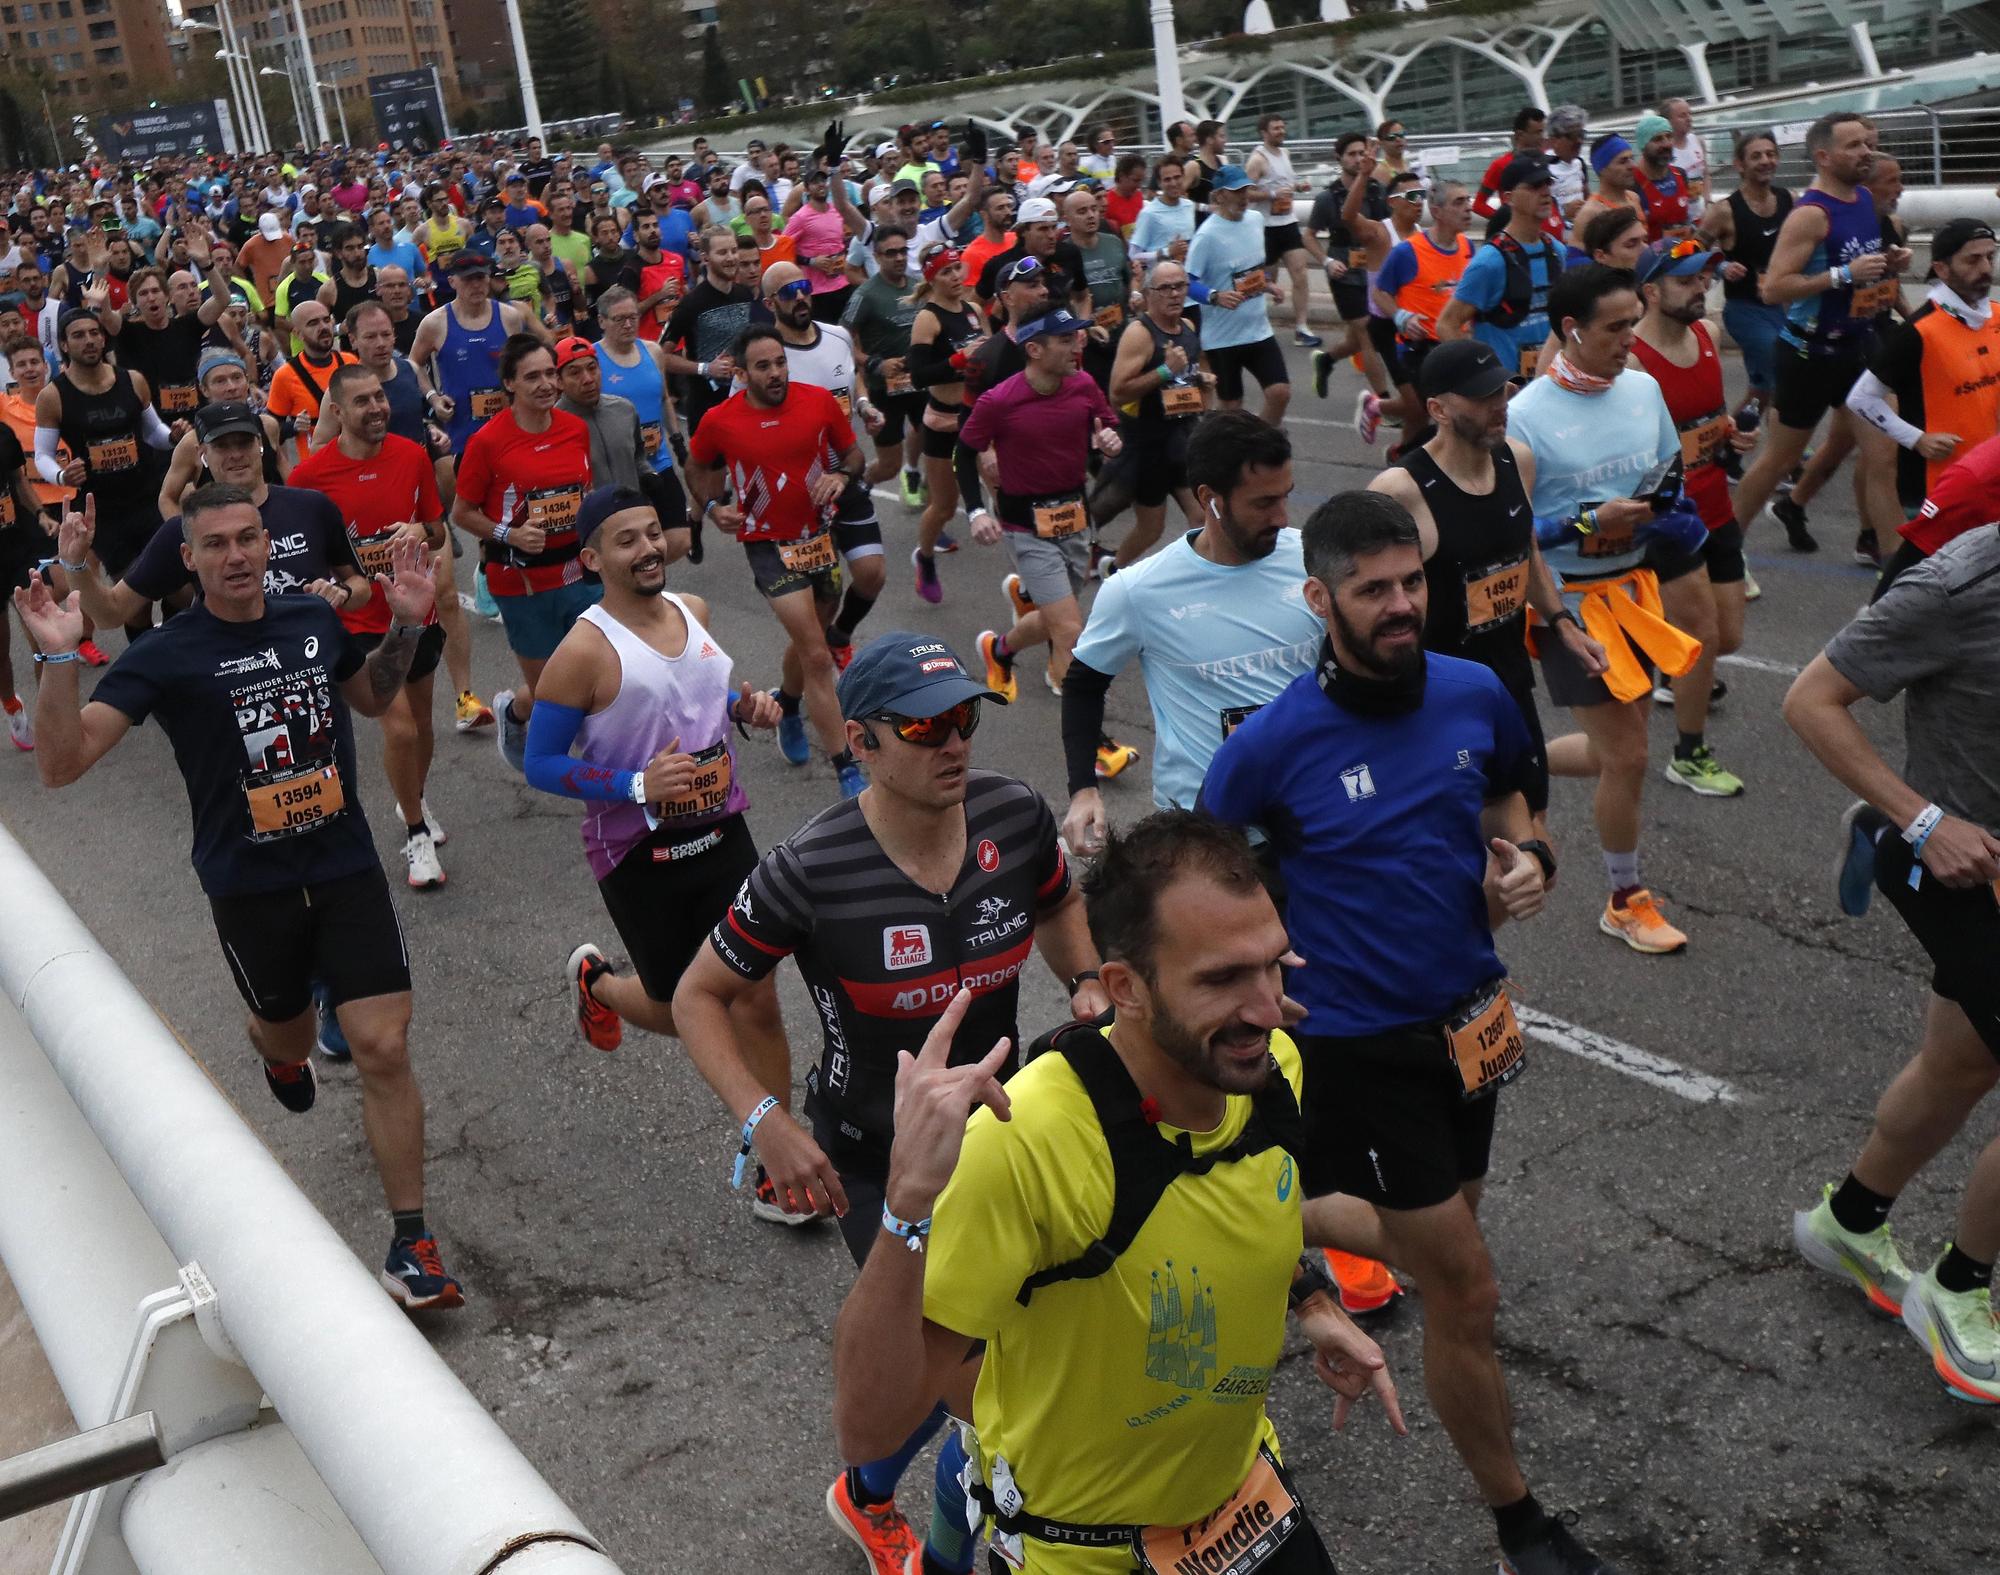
168,1264
72,1466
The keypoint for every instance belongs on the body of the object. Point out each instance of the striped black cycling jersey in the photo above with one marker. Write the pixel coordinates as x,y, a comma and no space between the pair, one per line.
883,957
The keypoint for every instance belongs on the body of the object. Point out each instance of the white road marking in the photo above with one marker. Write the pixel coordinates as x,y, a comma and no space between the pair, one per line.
1782,669
1697,1087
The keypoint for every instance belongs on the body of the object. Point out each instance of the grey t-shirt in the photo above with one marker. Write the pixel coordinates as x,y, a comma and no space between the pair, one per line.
1935,639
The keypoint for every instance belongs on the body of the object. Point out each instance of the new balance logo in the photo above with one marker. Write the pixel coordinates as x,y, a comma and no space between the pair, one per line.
1359,782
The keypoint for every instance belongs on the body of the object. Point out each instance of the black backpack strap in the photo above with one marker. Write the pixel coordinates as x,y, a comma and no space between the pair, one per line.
1143,1164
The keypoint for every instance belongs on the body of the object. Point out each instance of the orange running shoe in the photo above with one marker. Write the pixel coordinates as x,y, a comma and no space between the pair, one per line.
599,1025
1639,923
999,669
878,1530
1020,600
1365,1285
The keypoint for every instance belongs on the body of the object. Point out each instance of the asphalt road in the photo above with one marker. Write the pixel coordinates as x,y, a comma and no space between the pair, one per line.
1705,1401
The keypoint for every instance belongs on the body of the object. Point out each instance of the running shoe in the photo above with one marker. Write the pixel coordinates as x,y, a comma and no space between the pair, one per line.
852,783
1049,678
695,548
1368,415
482,598
431,823
20,724
601,1027
792,741
472,713
1702,773
1306,340
929,586
1793,517
1871,1261
1639,923
420,861
92,654
1113,757
1017,596
511,736
766,1205
1861,827
1958,1330
414,1274
1663,691
295,1087
1322,365
999,669
329,1039
1555,1552
946,542
913,490
1751,589
1866,553
878,1530
843,652
1365,1285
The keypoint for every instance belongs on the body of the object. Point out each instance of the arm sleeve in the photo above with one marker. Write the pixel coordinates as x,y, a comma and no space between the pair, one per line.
1868,399
930,364
1082,721
552,731
47,465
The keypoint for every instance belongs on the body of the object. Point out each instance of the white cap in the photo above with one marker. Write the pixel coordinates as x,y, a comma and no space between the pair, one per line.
1036,210
878,192
269,228
308,190
651,181
884,149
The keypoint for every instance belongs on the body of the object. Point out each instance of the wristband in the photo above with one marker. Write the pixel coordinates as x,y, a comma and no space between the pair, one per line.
1918,831
1544,855
501,533
414,630
73,568
1562,613
912,1233
701,367
1077,982
1310,1281
768,1105
1842,274
1403,316
1165,375
54,658
635,787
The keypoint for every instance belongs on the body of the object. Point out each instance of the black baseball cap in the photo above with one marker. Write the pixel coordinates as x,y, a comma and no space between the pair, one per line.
1462,366
1954,235
907,674
230,415
470,259
599,505
1525,169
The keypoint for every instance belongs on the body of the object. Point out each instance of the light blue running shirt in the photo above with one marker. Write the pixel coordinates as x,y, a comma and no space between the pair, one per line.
1213,641
1222,252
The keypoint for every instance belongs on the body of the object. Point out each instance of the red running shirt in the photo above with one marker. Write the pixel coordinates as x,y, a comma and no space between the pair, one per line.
374,496
1701,414
774,457
529,478
1965,497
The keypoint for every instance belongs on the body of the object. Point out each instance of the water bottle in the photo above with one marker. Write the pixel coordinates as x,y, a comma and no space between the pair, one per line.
1748,414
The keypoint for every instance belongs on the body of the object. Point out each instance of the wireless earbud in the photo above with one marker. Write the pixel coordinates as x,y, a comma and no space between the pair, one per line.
1576,336
1213,509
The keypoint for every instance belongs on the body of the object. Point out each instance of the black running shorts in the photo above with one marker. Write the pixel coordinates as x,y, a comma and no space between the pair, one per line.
1387,1119
423,661
666,894
1263,360
342,933
1958,926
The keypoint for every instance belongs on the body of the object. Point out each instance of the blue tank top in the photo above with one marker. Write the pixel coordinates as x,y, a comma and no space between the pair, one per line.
1839,321
468,371
406,404
644,387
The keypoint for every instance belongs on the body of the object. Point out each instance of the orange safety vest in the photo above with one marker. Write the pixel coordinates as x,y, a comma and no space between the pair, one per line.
1961,382
1437,276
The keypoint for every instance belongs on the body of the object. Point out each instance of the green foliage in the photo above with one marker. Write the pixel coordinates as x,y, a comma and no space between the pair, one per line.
566,48
718,86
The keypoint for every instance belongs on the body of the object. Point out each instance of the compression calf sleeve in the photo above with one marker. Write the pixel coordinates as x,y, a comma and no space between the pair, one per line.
949,1547
552,730
877,1480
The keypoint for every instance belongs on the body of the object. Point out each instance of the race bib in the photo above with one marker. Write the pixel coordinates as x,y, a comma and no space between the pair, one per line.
1234,716
1109,316
1181,399
651,433
1249,282
373,553
488,402
709,791
1676,232
105,455
292,801
1494,595
1872,298
1604,542
177,399
845,400
1281,202
1530,359
896,387
1701,442
1243,1535
1357,257
814,555
1056,518
555,510
1485,1041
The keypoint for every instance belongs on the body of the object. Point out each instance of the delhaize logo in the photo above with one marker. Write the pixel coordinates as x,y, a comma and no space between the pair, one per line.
906,946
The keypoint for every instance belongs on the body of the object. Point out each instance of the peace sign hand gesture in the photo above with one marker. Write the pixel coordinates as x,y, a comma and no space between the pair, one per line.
934,1099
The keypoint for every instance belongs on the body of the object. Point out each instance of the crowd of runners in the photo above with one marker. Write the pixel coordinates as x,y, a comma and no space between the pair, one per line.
266,418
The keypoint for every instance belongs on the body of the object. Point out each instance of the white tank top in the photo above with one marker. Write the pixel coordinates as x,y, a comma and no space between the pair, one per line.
660,698
1277,172
827,363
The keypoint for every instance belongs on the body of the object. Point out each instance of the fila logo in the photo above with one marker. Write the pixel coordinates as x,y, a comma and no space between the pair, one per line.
906,946
1359,782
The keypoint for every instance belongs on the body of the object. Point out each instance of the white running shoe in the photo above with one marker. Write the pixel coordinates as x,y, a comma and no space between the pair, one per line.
21,726
420,854
431,824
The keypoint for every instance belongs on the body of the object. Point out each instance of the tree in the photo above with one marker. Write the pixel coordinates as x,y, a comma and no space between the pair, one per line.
718,87
566,49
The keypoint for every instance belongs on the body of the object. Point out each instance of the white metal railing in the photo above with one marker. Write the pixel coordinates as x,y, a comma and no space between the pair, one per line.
168,1264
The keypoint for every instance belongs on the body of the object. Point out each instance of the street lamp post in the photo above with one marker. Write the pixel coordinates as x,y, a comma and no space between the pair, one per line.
306,55
530,106
246,68
298,106
246,127
1167,66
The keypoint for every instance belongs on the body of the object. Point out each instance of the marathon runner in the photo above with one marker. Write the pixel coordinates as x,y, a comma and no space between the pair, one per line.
1107,276
385,491
25,545
1616,165
1672,344
1502,297
633,368
698,337
298,388
1404,200
947,332
1152,1341
165,347
1832,272
1397,874
1227,256
1346,266
1744,228
633,718
1926,839
1662,184
822,353
789,452
1607,503
1278,187
938,881
1418,277
618,456
222,378
879,318
458,348
254,692
521,481
353,278
1166,224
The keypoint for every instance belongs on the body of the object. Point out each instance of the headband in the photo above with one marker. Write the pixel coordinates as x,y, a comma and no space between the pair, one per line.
1607,150
941,258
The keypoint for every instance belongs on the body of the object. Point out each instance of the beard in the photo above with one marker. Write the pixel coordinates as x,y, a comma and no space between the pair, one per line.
1478,434
1206,1060
1366,652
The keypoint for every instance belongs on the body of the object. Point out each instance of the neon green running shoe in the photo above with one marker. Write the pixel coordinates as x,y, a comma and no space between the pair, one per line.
1702,773
1958,1331
1871,1261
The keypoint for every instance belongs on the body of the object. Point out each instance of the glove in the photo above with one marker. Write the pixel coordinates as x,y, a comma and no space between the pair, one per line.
973,144
836,140
680,449
1684,532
